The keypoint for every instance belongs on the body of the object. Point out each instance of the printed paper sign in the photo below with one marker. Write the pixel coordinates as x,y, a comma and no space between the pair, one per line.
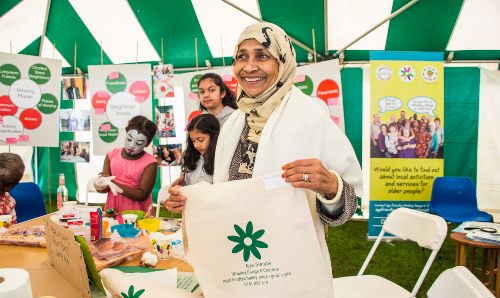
29,106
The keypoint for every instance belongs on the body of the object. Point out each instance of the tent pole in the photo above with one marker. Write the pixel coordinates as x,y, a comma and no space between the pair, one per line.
325,16
196,51
393,15
295,41
44,29
314,45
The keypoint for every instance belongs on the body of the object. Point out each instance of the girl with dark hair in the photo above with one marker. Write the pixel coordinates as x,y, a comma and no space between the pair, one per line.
129,173
215,97
203,132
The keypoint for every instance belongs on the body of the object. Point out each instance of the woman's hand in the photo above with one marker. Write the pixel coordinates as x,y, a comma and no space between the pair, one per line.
176,200
311,174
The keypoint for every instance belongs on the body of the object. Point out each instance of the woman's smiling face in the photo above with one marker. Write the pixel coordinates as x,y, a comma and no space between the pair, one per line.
255,68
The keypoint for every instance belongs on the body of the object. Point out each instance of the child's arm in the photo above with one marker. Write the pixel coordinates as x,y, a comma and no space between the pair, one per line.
146,184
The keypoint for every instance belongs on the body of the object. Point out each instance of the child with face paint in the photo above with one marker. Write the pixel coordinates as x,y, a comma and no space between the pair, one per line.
129,173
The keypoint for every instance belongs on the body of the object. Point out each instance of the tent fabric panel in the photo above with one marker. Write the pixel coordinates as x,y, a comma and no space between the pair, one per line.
291,16
67,29
425,26
461,120
352,94
179,27
32,49
6,5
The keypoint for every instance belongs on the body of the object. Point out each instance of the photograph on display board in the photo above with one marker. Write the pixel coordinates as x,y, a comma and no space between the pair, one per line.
163,80
165,121
72,151
168,155
415,136
74,88
75,120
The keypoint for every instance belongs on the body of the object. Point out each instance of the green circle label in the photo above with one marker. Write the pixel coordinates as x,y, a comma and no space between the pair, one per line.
107,132
116,82
9,73
194,83
306,86
48,104
39,73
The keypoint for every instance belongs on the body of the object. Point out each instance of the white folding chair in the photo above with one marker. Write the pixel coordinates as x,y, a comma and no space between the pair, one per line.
458,282
162,197
427,230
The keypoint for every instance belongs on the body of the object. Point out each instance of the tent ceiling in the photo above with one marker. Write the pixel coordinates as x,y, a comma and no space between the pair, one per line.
133,30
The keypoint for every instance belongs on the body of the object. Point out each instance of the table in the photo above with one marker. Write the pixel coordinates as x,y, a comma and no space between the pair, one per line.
490,263
43,276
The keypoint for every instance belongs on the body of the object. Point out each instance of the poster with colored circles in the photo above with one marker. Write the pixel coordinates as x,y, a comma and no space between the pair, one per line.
322,80
190,87
118,93
29,100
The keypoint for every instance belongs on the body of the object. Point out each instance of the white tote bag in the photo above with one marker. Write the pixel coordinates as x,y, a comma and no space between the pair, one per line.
254,238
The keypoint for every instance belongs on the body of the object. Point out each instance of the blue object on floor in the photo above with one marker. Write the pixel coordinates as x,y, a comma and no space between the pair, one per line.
29,201
454,199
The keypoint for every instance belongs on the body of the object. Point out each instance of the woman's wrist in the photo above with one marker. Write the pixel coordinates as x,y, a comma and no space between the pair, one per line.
330,198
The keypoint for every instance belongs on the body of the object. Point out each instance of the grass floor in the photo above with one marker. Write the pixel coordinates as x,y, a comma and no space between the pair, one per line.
399,261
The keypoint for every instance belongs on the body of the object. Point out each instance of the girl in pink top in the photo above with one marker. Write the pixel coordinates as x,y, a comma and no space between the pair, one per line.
129,173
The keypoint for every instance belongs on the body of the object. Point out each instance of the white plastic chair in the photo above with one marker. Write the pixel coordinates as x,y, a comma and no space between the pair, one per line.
98,198
162,196
458,282
427,230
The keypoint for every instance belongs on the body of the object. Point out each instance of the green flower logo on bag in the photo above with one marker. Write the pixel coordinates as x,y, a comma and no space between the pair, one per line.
248,241
131,293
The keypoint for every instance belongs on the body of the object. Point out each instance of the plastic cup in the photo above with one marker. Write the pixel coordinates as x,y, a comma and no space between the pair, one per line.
130,219
5,220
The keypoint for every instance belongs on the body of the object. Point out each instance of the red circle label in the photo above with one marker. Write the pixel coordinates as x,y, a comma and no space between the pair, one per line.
31,118
231,84
140,90
193,114
100,100
328,90
7,108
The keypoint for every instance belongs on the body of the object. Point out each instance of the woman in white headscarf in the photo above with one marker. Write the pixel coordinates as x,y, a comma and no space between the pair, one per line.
278,128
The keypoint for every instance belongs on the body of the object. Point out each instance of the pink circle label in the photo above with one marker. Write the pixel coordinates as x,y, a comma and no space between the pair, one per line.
328,90
100,100
140,90
30,118
231,84
7,108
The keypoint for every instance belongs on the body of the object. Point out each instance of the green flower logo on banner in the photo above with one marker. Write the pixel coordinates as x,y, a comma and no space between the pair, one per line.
132,293
248,241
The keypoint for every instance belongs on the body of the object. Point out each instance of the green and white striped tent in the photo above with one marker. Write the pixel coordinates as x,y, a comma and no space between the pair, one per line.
91,32
132,31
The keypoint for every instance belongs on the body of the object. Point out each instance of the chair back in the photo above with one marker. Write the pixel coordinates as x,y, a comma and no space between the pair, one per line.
427,230
453,192
454,198
29,201
458,282
162,197
90,191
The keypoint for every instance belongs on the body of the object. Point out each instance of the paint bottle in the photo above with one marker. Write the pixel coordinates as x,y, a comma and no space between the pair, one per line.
62,192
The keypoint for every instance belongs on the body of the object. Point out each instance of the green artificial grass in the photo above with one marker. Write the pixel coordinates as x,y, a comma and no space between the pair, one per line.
398,261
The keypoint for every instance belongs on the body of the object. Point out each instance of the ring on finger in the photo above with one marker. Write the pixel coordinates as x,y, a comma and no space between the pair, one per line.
306,177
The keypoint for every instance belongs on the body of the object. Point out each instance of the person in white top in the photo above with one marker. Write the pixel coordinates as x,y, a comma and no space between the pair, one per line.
280,129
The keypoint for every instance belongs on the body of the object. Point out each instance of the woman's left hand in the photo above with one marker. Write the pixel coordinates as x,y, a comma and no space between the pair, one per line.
310,174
